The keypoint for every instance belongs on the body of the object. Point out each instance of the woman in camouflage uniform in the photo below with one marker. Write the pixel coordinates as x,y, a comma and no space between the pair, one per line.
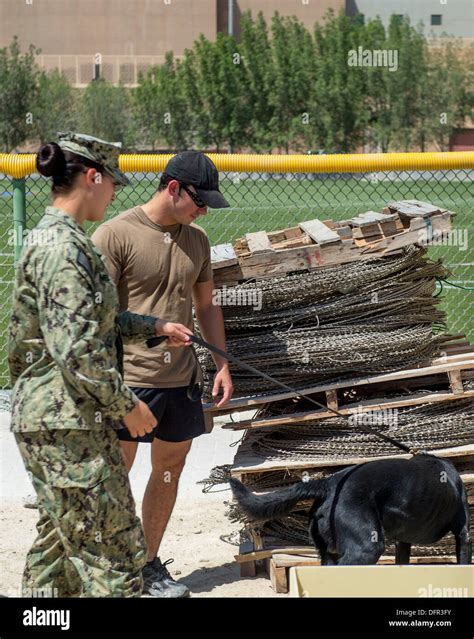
68,394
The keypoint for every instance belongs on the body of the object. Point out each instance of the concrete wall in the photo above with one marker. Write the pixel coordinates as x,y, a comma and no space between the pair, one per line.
111,27
457,15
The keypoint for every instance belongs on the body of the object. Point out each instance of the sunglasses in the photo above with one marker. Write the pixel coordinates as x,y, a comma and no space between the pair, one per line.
194,196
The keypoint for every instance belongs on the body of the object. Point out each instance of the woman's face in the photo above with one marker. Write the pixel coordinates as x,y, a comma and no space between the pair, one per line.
100,193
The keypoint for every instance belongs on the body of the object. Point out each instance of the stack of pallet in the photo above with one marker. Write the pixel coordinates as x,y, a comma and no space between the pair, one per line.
287,439
322,243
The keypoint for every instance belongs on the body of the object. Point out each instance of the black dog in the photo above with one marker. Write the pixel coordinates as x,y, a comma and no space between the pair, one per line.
415,501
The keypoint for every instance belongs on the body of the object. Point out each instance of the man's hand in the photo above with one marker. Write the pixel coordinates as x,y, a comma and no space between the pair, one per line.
177,333
224,380
140,420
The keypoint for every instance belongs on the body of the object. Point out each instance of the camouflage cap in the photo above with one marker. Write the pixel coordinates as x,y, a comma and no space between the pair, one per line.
100,151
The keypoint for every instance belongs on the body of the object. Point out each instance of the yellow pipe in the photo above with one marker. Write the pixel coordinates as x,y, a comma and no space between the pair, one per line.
19,166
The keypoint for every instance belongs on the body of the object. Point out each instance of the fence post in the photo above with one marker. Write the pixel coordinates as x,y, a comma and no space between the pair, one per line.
19,214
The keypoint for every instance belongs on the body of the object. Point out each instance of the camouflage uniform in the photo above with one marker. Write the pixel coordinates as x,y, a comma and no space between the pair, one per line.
67,401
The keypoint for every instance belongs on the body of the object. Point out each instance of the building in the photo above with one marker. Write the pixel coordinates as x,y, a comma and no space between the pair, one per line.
125,36
451,17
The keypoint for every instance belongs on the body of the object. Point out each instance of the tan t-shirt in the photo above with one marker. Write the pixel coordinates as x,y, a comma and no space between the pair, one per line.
155,268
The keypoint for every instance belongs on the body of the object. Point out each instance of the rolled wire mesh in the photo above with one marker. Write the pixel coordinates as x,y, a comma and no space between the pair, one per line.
364,317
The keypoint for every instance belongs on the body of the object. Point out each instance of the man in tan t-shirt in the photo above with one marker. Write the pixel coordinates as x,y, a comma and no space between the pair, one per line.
160,262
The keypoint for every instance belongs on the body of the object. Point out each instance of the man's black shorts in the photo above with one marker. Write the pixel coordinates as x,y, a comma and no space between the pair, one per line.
178,417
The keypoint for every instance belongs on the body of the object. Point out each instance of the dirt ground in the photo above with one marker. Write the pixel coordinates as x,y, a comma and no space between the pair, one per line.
201,560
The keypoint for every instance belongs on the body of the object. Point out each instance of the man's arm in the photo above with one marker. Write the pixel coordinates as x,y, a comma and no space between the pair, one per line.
211,323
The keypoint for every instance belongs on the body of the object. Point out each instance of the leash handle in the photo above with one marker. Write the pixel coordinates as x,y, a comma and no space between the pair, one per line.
155,341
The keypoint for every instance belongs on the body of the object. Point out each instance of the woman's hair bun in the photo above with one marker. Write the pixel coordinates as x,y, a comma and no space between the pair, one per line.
51,160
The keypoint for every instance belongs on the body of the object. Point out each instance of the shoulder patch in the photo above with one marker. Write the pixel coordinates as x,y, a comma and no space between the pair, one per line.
84,262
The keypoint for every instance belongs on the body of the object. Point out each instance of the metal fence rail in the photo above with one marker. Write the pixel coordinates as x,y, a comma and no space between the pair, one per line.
270,193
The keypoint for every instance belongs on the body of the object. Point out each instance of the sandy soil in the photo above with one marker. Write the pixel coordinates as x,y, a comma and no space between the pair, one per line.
202,561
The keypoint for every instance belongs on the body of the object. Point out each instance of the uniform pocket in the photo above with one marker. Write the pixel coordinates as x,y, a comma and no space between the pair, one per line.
75,460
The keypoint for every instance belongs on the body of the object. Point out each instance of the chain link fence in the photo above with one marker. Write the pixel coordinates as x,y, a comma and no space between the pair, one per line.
270,201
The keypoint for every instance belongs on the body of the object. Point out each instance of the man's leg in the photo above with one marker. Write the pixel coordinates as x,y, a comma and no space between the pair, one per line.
129,451
167,460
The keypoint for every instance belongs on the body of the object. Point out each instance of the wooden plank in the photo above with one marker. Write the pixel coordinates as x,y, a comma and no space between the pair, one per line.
364,406
389,228
227,274
249,464
441,365
293,232
247,568
223,255
414,208
372,217
265,554
302,240
331,399
278,577
258,242
388,244
344,232
285,234
307,553
370,232
319,232
455,381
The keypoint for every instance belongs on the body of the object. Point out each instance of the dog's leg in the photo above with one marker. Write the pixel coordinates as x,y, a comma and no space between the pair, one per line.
330,559
463,546
327,558
402,552
460,531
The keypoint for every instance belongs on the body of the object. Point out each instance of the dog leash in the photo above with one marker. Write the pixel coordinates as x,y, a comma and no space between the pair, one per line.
154,341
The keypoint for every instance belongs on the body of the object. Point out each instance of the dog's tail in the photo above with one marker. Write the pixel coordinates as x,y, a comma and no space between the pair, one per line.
278,502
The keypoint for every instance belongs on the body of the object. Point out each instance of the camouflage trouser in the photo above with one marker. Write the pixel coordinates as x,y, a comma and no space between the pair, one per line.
90,541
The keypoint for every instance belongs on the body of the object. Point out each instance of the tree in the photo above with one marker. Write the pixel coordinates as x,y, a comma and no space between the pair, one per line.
339,100
291,85
18,94
214,83
445,99
55,107
258,64
379,109
160,106
105,111
404,85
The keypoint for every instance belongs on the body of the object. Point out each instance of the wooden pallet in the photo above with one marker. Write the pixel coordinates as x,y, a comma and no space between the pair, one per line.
452,369
316,243
247,463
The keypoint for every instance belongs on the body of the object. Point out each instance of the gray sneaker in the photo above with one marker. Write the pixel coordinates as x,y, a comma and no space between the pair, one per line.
157,581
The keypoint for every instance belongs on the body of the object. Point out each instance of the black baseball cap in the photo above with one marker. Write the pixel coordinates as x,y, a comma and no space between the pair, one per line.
196,169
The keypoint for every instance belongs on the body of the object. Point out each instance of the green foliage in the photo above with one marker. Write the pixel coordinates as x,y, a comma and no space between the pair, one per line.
281,87
105,111
54,109
160,107
18,93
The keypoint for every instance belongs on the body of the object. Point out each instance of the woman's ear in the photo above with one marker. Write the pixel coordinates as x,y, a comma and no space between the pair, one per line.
93,177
